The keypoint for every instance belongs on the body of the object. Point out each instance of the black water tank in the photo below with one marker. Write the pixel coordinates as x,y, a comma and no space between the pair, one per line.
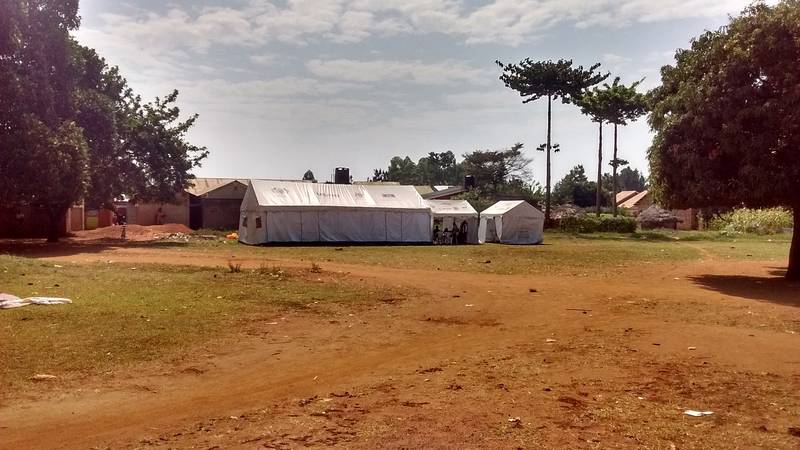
469,182
342,175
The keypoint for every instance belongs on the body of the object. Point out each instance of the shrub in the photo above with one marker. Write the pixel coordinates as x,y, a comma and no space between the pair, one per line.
593,224
759,221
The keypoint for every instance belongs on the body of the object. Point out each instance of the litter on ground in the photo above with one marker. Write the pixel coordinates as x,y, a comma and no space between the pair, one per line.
693,413
8,301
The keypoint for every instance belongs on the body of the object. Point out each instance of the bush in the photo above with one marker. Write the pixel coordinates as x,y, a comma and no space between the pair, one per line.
593,224
758,221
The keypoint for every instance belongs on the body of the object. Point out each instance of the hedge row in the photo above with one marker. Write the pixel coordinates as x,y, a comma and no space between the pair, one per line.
593,224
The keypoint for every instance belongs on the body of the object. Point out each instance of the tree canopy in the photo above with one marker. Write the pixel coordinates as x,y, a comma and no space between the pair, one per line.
575,188
70,127
309,176
727,118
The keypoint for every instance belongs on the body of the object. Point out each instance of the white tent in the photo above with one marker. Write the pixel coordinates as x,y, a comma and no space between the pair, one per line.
289,212
455,212
512,222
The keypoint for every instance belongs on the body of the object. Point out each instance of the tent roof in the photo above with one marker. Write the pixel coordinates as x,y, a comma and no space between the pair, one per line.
451,208
502,207
287,193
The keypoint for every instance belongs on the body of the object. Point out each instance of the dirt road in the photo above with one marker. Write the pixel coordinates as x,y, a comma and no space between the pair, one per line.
476,360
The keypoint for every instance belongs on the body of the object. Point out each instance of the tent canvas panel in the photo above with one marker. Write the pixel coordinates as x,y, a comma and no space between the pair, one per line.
416,227
305,212
512,222
310,226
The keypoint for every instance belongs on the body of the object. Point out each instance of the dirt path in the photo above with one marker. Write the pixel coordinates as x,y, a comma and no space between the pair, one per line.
586,362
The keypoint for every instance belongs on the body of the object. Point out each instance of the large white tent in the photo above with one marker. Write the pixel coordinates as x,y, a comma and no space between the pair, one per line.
455,212
291,212
512,222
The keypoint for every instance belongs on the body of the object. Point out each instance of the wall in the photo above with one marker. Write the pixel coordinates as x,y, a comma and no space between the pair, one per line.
687,219
221,214
26,222
145,213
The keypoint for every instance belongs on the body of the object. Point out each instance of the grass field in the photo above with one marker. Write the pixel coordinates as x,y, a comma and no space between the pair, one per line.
123,313
561,253
592,341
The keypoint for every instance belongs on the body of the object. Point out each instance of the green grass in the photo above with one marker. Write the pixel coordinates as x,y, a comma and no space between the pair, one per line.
124,314
561,254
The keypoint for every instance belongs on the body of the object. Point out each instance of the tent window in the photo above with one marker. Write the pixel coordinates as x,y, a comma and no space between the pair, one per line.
244,222
258,222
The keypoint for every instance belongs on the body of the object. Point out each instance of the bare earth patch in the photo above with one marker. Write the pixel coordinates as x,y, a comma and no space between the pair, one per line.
447,359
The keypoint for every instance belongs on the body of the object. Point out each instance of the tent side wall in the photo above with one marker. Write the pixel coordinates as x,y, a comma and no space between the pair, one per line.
333,225
522,225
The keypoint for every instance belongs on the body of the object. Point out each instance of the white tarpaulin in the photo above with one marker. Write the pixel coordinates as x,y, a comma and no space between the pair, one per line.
290,212
512,222
8,301
458,213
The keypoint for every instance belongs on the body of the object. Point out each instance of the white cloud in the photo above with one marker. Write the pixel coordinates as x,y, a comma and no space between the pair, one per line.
510,22
417,72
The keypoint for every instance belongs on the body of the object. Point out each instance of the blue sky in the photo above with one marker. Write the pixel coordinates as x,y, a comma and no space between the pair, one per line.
282,86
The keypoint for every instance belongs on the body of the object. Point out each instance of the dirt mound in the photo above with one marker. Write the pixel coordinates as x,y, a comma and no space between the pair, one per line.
136,233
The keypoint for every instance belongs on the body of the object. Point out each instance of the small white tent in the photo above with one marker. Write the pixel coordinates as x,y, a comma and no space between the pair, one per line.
455,212
293,212
512,222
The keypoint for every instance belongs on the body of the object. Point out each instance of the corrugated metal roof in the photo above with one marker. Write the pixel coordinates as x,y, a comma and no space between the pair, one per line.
625,195
202,186
633,201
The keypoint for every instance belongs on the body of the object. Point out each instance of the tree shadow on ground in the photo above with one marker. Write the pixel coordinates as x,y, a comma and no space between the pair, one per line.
38,248
773,289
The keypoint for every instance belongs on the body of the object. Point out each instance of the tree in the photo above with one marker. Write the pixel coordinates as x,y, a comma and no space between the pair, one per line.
727,120
439,169
378,175
402,170
493,169
71,129
309,176
631,180
575,188
626,105
554,80
598,105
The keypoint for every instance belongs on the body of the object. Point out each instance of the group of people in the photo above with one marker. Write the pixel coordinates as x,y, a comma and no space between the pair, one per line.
456,235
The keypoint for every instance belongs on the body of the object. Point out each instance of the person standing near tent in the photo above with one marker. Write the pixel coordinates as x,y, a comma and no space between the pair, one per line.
456,233
464,229
446,236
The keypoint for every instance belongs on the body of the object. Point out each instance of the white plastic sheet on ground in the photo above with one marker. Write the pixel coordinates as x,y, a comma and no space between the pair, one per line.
8,301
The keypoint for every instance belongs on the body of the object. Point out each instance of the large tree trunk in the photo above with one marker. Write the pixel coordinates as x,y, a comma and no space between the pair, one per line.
794,254
600,170
614,168
549,148
54,216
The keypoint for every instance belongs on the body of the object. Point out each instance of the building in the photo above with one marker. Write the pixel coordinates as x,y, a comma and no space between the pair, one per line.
211,203
20,222
636,202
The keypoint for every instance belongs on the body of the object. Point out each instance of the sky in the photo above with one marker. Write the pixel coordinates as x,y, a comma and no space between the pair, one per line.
283,86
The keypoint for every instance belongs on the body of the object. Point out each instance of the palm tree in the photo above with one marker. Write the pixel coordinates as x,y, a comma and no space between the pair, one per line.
554,80
627,105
